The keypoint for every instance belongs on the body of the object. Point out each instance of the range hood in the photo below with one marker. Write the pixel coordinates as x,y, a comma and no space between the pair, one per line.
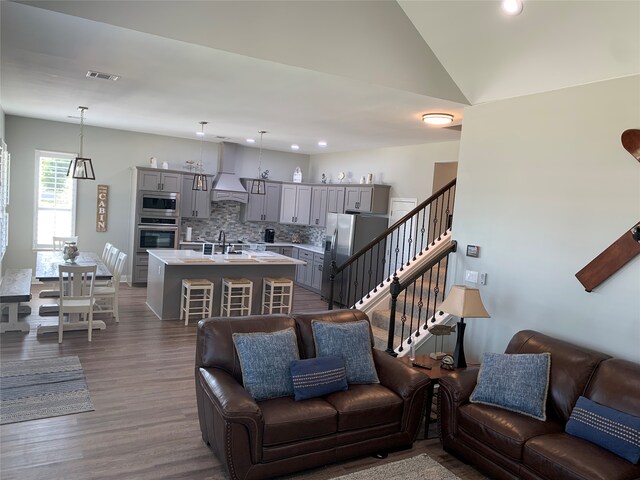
226,185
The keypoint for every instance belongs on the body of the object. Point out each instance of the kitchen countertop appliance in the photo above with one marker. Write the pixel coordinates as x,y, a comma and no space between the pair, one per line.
345,235
269,235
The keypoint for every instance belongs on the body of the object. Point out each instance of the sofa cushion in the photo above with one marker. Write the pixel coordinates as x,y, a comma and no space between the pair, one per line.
365,406
315,377
502,430
264,359
351,342
518,383
286,420
560,455
608,428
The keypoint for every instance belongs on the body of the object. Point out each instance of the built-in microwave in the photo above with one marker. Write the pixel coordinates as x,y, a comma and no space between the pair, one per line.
150,237
166,204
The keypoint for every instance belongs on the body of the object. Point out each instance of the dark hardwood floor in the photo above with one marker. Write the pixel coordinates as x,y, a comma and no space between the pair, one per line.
145,426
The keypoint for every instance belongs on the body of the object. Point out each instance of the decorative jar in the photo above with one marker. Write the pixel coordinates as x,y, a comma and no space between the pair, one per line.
70,252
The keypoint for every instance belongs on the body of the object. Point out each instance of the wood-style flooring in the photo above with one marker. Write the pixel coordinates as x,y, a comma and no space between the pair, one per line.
145,425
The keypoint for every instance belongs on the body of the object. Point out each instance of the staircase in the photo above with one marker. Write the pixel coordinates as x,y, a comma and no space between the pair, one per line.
401,297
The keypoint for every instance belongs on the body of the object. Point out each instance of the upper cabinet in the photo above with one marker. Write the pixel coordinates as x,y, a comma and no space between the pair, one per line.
194,203
369,198
158,181
262,208
335,199
318,206
295,204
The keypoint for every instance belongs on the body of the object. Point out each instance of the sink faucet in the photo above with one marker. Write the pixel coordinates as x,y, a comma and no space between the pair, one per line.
222,236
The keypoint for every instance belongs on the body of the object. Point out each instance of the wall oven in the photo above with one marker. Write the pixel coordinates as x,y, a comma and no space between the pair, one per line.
156,236
165,204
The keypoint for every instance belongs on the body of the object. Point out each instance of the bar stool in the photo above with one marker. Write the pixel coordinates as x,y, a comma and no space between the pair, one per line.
235,299
277,295
199,291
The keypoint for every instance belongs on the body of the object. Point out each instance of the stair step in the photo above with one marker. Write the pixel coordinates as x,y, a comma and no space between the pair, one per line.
380,338
380,319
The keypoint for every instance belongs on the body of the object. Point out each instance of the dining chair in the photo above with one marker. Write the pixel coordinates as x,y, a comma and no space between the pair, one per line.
107,251
107,297
76,294
109,256
58,246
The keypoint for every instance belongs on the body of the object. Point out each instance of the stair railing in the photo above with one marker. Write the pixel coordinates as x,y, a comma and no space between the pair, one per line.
430,283
393,250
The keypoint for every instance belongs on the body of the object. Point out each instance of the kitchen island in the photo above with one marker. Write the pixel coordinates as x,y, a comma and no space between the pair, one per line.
168,267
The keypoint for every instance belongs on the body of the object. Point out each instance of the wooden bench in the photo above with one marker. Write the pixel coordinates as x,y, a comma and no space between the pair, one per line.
15,288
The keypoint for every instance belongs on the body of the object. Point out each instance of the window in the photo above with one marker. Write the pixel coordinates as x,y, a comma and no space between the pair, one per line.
55,203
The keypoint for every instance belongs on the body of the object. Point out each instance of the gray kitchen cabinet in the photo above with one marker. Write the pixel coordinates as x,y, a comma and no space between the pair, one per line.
286,251
335,199
318,206
295,205
316,273
304,272
262,208
370,198
157,181
194,203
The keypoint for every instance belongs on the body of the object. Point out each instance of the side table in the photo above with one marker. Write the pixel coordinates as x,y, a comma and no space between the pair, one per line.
435,373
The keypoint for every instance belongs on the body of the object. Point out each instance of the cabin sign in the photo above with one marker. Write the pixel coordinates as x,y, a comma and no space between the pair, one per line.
102,208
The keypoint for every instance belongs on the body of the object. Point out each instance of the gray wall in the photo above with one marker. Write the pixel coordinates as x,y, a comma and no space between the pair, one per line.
113,152
544,185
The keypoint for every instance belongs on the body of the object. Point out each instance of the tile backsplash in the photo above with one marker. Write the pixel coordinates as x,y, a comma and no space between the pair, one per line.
226,216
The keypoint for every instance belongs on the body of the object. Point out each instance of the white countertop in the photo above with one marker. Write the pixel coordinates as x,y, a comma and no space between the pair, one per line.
304,246
249,257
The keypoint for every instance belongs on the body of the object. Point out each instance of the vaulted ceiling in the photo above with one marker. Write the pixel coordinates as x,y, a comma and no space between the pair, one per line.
357,74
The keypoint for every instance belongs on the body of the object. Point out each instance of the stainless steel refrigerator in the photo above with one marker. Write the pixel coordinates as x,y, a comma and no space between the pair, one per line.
345,235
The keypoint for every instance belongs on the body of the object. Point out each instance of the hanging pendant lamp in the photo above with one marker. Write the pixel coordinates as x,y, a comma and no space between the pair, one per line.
82,167
200,179
258,186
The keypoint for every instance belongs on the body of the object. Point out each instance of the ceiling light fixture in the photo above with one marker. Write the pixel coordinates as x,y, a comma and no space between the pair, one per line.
322,143
251,140
82,167
295,147
512,7
200,179
258,186
437,118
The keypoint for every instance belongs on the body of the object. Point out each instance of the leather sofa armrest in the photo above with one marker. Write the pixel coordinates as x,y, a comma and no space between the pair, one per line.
461,384
454,391
397,376
233,407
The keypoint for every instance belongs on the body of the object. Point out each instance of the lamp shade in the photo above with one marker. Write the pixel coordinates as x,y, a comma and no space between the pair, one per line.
464,302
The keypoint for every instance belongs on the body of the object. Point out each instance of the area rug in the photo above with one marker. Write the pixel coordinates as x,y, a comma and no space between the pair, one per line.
50,387
420,467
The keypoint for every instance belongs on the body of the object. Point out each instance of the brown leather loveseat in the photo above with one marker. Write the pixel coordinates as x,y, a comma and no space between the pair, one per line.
509,445
277,436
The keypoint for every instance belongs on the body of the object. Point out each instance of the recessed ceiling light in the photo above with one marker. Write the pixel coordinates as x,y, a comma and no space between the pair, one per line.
322,143
437,118
200,134
251,140
295,147
512,7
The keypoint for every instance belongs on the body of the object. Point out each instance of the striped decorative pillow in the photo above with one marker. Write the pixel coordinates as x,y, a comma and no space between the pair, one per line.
611,429
319,376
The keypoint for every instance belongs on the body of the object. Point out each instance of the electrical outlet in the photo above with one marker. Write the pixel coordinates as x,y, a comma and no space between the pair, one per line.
471,276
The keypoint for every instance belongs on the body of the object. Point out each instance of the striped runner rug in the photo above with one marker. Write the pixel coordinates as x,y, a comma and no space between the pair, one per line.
50,387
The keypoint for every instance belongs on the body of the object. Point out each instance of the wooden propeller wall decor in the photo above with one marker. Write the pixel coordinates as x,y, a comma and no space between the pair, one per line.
624,249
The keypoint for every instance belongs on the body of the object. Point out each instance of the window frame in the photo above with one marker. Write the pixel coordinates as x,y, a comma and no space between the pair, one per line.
36,197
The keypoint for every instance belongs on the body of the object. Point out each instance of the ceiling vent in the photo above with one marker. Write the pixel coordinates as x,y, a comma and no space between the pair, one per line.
102,76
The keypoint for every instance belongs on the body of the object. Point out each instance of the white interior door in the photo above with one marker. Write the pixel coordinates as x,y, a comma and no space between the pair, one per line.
398,208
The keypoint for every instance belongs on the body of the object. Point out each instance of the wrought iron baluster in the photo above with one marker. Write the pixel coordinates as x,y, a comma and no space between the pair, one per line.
443,221
397,249
404,237
411,242
375,288
434,210
413,306
394,290
429,294
420,304
422,230
351,279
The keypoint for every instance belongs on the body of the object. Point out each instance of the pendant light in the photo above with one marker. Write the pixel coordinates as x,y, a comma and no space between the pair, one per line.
258,186
200,179
82,167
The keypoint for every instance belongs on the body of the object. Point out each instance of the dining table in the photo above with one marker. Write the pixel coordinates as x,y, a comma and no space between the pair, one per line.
47,263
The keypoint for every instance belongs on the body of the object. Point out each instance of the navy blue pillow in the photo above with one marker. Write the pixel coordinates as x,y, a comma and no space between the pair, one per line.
319,376
611,429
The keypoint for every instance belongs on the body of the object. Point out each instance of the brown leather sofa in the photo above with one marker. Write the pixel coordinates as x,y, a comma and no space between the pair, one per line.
264,439
507,445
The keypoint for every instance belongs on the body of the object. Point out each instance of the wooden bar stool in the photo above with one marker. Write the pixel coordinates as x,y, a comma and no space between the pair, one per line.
235,299
277,295
200,292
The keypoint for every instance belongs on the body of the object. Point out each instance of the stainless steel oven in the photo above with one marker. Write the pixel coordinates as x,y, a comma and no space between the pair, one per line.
156,236
164,204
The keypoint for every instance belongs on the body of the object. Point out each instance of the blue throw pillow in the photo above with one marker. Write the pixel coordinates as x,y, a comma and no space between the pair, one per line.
517,382
350,341
264,360
319,376
616,431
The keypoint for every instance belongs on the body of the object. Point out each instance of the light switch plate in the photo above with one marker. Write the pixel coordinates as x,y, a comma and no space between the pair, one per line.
471,276
483,279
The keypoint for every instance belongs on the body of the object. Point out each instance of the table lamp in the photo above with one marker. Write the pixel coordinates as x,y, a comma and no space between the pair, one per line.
463,302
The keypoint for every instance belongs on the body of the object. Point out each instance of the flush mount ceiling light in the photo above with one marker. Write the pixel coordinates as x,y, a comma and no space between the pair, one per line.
322,143
295,147
200,179
512,7
258,186
437,118
82,167
251,140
